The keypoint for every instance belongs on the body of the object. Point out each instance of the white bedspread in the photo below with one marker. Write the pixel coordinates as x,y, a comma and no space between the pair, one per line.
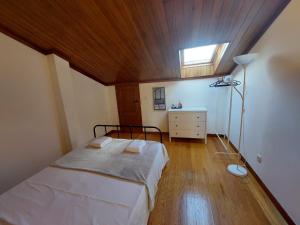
57,196
63,197
143,167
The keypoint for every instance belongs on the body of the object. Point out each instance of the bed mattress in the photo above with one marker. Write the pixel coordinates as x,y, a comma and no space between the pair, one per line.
62,196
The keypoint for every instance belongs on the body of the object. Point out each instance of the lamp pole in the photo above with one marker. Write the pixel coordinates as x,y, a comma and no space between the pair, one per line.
239,169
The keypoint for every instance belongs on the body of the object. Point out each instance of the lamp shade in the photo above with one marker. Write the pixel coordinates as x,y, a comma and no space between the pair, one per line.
244,59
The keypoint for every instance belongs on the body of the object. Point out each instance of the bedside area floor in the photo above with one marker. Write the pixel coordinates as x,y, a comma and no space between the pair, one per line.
196,189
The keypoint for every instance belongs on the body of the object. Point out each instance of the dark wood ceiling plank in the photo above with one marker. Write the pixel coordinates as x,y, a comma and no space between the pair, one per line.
254,30
115,41
236,35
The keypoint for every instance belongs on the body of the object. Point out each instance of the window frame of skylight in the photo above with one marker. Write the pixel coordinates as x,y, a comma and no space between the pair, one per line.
199,62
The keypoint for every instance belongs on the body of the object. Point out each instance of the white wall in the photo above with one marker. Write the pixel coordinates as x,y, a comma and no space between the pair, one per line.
191,93
96,104
272,118
46,109
65,99
30,136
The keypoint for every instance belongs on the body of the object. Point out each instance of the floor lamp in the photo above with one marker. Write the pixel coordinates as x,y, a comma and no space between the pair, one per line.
238,169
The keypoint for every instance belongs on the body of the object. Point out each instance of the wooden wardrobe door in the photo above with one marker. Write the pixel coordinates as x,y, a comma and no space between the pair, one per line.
129,106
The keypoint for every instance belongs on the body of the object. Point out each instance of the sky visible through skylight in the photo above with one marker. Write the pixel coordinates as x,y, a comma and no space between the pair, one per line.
198,55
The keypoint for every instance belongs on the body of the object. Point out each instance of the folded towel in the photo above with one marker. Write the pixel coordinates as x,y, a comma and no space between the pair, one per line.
100,142
135,146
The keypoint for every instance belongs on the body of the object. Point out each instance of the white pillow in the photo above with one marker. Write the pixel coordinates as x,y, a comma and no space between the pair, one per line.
100,142
136,146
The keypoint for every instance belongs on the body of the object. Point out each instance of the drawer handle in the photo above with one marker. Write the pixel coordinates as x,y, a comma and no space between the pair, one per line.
198,126
176,117
176,125
198,117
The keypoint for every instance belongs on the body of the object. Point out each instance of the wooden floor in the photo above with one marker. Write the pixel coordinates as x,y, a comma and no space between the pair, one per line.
195,189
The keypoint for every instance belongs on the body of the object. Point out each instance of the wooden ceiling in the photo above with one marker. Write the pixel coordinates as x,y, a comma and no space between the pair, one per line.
118,41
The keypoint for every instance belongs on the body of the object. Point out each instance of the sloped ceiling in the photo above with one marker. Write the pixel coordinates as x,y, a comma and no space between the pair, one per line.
117,41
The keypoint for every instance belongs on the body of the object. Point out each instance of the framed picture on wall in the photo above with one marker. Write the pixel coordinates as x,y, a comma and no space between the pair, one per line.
159,98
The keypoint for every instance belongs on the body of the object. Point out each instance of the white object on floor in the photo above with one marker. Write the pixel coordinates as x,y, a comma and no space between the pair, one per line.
100,142
243,60
189,122
136,146
237,170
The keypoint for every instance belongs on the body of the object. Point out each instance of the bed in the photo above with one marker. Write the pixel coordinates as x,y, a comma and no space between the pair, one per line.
64,195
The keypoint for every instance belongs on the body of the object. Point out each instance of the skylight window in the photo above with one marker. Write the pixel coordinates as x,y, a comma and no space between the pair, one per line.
202,60
199,55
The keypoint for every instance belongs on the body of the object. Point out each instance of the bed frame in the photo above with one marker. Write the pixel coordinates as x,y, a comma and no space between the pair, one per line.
130,127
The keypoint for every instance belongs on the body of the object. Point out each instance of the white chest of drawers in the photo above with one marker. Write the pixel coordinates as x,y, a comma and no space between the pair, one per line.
188,123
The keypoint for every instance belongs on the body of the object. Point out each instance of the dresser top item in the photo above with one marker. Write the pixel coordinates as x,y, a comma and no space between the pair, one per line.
189,109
